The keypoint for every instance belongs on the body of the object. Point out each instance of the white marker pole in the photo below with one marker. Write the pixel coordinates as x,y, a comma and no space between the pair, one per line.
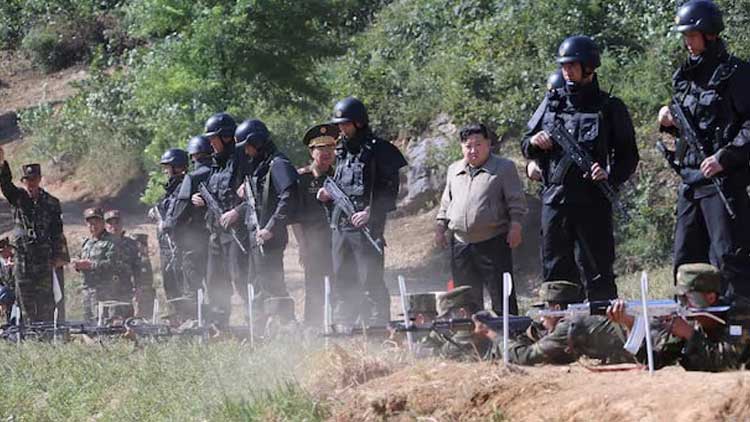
155,312
54,326
646,322
405,310
327,314
100,314
200,307
507,289
251,323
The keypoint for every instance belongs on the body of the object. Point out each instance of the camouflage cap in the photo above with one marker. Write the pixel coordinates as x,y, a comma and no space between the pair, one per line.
93,213
422,303
698,277
31,170
559,292
321,135
111,214
460,297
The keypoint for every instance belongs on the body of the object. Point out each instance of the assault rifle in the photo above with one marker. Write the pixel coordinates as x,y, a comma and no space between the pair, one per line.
655,309
345,205
213,207
690,136
584,161
170,243
516,325
251,214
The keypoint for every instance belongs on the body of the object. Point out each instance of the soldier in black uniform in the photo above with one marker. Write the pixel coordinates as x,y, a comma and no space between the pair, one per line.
188,224
712,88
574,211
273,180
227,263
367,170
174,164
313,232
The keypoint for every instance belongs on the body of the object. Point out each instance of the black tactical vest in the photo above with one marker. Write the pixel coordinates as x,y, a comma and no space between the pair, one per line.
354,173
708,108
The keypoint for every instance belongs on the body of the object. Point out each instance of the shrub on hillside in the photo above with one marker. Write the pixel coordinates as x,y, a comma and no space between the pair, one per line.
59,43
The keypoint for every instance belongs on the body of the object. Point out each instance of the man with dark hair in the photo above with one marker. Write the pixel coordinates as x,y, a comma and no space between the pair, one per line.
227,263
101,263
367,171
133,272
38,236
273,180
562,340
711,88
188,223
480,216
575,212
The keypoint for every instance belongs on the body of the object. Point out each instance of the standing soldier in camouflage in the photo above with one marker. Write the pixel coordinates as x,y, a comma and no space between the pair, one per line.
188,223
174,164
367,171
100,262
227,265
38,235
135,270
313,232
273,181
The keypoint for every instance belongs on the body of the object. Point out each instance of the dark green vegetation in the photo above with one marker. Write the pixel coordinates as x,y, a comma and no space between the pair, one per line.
160,67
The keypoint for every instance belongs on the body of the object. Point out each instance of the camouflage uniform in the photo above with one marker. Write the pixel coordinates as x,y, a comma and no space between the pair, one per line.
135,271
725,347
38,233
460,345
593,336
102,282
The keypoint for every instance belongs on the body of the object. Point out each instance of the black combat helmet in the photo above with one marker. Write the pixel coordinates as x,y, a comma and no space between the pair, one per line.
555,80
581,49
699,15
174,157
350,109
221,124
199,144
253,132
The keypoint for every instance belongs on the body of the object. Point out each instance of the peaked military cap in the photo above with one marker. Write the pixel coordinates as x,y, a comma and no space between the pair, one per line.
93,213
559,292
459,297
31,170
111,214
698,277
321,135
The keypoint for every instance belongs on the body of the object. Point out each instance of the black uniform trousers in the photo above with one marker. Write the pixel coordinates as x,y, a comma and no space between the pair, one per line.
704,232
359,291
267,273
227,269
584,230
481,265
318,265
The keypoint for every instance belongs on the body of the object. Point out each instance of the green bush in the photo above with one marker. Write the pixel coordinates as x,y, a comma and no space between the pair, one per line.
59,43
